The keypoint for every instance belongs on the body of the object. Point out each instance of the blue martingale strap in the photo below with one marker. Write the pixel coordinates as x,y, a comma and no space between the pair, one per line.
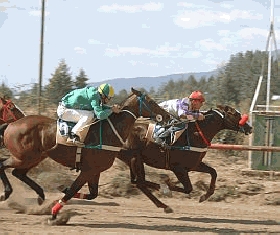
99,146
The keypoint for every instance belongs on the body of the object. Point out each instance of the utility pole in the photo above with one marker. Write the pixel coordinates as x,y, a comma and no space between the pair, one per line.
41,57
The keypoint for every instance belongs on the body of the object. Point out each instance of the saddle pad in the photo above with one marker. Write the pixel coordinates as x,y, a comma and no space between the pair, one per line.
176,136
150,131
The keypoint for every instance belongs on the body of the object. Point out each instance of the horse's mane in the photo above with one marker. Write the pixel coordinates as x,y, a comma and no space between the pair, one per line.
124,100
210,111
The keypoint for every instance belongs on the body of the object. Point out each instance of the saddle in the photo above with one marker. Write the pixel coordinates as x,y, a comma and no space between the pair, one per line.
64,129
154,131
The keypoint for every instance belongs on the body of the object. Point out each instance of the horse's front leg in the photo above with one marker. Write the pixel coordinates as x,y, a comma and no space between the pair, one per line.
183,176
202,167
70,193
92,187
137,166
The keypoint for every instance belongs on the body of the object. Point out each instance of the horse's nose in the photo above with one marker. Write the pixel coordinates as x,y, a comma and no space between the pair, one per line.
249,131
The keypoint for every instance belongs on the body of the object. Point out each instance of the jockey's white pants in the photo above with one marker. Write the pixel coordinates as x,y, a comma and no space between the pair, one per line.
82,117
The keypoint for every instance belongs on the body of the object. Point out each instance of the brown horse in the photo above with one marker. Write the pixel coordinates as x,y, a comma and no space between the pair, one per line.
33,138
184,156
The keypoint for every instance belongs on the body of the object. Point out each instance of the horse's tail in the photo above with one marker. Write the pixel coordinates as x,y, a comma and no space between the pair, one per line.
2,130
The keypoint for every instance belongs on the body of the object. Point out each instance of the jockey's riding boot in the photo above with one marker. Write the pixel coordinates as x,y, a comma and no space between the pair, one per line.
158,140
74,139
164,134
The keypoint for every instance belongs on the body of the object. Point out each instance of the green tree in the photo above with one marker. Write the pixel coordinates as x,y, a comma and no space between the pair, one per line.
5,91
60,83
121,96
81,79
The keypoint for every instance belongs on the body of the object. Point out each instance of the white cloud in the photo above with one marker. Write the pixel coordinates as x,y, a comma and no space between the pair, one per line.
7,5
201,18
80,50
131,8
191,5
250,33
192,54
210,45
134,62
162,50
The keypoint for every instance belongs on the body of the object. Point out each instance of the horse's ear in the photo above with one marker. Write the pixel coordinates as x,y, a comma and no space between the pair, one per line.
136,92
2,100
229,109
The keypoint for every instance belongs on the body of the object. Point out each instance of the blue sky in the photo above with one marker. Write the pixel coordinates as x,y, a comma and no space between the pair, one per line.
126,39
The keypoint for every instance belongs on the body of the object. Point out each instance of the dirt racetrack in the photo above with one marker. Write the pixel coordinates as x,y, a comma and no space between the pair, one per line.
137,216
242,204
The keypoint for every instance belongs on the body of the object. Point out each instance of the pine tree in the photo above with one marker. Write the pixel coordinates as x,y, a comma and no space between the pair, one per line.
5,91
60,83
81,79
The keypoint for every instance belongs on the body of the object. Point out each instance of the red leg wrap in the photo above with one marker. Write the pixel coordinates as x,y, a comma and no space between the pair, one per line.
56,208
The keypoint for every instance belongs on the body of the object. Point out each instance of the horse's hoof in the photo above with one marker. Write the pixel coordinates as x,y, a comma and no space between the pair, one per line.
202,198
40,201
168,210
51,221
62,219
2,198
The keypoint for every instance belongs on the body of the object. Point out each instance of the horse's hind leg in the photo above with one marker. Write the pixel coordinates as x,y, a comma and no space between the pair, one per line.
7,186
21,174
202,167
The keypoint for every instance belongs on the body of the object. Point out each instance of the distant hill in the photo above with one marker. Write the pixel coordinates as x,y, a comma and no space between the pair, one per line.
141,82
148,82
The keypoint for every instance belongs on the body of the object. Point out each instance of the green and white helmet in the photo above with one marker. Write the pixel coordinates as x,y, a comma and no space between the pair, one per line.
106,89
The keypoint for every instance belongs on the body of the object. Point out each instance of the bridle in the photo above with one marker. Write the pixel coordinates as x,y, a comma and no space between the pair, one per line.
226,123
148,105
143,105
7,111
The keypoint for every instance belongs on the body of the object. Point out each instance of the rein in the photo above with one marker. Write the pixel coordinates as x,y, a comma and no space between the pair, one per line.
114,129
112,148
202,135
200,131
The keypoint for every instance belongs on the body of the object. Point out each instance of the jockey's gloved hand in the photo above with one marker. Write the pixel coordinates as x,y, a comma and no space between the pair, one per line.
116,108
200,117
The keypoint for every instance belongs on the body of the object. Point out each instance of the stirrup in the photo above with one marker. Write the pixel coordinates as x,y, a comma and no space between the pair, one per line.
75,141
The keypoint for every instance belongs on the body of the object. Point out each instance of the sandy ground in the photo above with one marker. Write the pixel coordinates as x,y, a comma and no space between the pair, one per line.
137,216
246,211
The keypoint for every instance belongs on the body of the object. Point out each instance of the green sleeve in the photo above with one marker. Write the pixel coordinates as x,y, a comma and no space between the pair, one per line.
100,111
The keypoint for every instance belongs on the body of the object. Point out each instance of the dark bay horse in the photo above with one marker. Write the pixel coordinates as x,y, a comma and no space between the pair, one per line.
184,156
33,138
